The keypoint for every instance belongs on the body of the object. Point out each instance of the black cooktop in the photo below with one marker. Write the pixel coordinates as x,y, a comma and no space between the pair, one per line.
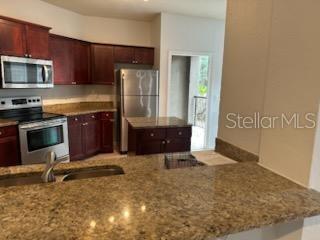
28,115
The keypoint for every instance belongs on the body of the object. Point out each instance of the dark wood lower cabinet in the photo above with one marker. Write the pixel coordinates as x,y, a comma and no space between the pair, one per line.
159,140
9,147
90,134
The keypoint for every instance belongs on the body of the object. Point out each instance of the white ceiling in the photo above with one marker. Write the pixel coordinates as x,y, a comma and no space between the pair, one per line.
144,10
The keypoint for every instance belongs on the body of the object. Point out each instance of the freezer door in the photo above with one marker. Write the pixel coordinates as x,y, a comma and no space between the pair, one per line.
140,106
139,82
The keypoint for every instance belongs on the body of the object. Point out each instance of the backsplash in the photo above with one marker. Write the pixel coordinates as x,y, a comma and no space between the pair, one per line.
66,94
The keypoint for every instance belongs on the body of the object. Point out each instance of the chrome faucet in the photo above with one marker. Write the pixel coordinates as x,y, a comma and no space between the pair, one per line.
51,162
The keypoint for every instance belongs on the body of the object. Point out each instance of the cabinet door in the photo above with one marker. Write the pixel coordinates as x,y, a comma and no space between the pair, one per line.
37,42
92,137
12,38
81,52
76,141
144,56
150,147
61,50
102,64
9,151
178,145
124,54
107,136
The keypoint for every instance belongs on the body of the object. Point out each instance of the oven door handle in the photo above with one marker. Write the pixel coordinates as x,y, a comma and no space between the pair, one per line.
45,74
34,126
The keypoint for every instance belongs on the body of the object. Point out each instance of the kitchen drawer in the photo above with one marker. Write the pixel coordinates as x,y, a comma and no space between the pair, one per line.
178,145
151,134
8,131
75,119
106,115
184,132
150,147
91,117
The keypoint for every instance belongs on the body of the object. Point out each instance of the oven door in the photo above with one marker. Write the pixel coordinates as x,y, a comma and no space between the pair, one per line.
37,139
26,73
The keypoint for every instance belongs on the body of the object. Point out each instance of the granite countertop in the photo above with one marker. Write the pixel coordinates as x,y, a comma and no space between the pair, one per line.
7,122
156,122
72,109
149,202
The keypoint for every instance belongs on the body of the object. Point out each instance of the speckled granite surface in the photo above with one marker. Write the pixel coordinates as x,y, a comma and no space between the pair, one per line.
149,203
156,122
71,109
6,123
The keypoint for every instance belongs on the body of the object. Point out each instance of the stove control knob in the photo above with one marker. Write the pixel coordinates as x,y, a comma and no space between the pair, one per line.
33,100
29,100
38,100
3,102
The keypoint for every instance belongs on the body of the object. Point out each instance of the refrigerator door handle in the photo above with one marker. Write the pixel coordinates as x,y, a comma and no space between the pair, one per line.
122,94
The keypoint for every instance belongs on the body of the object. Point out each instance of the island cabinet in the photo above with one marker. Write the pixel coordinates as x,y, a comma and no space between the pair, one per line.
90,134
134,55
9,146
159,140
22,39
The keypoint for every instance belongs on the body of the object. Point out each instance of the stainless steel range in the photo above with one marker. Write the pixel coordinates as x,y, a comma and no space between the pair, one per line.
39,132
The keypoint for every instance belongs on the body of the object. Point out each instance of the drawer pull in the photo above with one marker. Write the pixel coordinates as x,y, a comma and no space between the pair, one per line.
111,120
163,142
76,119
179,133
0,133
107,115
93,116
168,141
151,134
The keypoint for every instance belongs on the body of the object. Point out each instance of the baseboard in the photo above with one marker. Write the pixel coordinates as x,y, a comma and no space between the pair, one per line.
234,152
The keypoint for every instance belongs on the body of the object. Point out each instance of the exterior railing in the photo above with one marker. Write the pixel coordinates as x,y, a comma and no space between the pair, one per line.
200,111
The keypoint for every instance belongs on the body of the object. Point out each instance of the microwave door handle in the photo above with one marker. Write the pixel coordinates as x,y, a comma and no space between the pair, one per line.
45,73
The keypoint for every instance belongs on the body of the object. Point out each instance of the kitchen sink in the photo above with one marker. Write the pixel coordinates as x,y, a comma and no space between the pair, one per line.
115,170
72,175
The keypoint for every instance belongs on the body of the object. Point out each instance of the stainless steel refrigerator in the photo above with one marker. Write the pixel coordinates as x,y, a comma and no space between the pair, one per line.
138,96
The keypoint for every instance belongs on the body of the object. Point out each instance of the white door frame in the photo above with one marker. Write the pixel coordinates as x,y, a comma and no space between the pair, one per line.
210,82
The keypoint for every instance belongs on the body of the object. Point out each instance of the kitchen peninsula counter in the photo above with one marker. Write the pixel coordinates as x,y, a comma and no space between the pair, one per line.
149,202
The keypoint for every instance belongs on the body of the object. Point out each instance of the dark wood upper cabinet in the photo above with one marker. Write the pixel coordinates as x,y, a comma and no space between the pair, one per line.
37,42
102,62
81,53
134,55
123,54
144,56
61,50
22,39
12,38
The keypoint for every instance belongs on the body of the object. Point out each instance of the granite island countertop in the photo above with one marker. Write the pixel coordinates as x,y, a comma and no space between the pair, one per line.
156,122
72,109
149,203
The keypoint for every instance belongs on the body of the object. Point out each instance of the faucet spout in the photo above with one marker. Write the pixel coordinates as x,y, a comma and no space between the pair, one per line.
51,162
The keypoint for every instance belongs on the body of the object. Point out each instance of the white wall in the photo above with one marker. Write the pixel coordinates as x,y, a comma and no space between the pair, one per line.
192,35
70,24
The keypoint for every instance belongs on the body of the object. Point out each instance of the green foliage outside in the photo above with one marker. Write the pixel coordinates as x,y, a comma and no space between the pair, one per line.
203,81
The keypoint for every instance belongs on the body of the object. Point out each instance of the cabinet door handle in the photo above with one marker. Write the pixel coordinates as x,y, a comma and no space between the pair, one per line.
179,133
0,133
163,142
76,119
26,55
151,134
107,115
111,120
93,116
74,83
168,141
30,56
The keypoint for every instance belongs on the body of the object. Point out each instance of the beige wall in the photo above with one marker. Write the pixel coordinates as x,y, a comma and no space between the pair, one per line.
292,86
70,24
244,68
271,66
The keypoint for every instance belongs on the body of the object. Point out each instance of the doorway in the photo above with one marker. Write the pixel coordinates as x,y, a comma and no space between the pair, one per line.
189,95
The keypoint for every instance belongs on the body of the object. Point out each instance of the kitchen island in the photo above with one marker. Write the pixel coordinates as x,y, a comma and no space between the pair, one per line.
149,202
152,135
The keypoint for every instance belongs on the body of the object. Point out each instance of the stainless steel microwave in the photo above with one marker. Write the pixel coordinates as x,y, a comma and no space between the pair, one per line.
17,72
